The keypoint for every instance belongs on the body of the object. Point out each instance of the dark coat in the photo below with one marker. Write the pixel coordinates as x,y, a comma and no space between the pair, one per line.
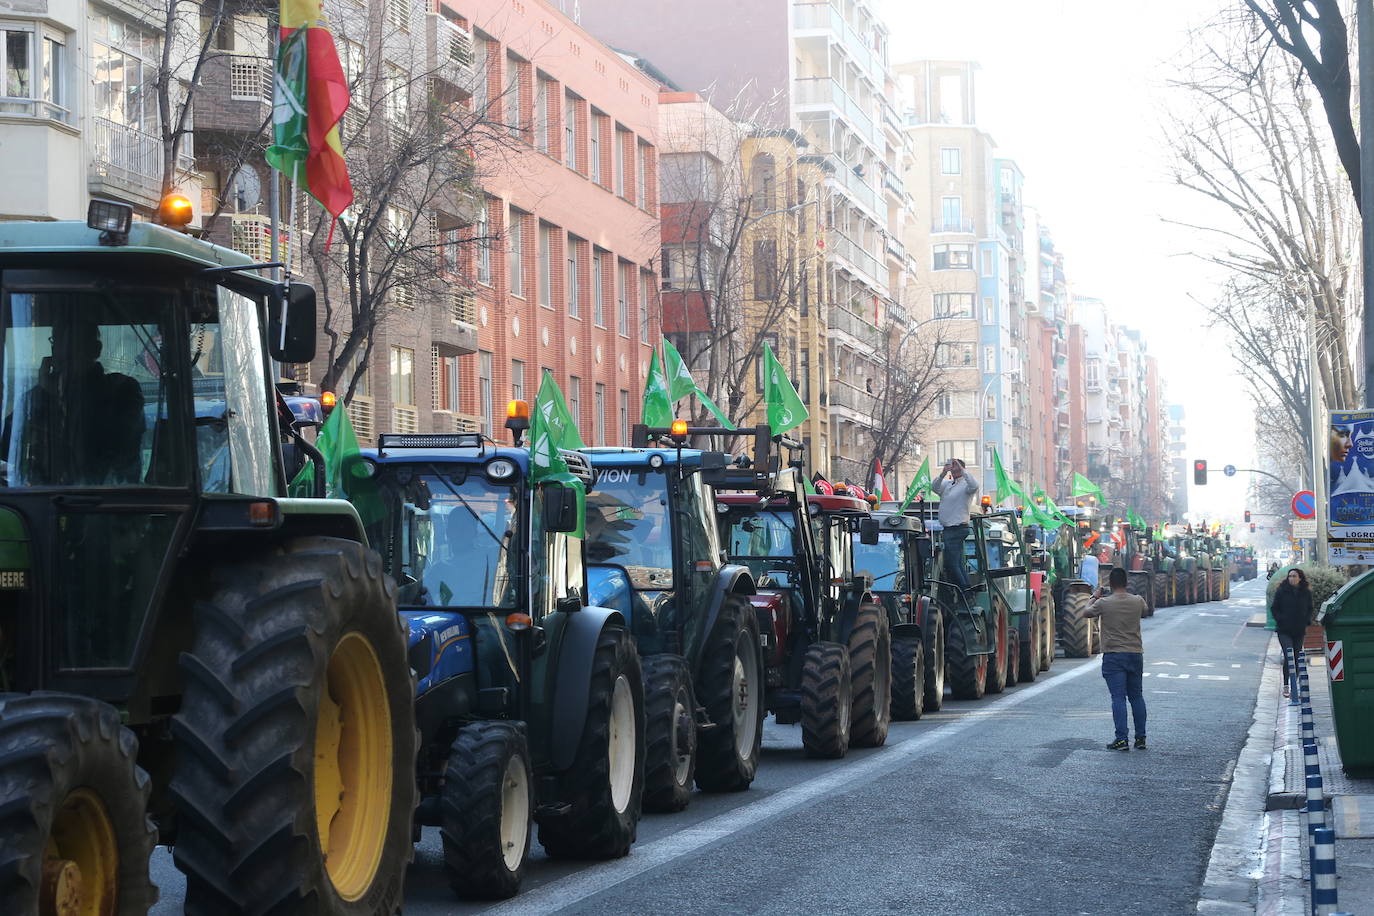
1292,609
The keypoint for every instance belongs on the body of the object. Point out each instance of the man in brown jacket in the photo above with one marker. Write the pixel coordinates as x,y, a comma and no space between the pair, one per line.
1123,656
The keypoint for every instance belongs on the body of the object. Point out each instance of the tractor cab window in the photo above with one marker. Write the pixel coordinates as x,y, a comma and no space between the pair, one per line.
86,388
883,562
234,432
628,525
448,540
764,534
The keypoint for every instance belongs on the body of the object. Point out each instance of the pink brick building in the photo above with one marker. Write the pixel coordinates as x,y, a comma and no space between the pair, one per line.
569,280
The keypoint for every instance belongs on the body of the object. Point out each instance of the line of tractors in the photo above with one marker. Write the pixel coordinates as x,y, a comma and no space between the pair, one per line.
286,690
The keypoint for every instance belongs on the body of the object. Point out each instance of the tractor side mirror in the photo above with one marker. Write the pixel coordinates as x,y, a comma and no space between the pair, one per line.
559,508
1006,572
298,343
868,531
568,604
713,468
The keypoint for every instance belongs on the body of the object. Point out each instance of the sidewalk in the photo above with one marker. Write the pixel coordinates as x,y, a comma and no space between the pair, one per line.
1277,870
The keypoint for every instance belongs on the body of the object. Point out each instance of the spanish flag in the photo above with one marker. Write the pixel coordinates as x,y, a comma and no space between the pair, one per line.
310,96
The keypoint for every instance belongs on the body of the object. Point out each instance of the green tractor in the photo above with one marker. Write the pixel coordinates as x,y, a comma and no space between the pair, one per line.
1162,559
1136,559
187,656
1079,635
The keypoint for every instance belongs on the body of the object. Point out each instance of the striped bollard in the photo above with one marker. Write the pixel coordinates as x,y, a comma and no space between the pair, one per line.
1309,727
1304,686
1315,811
1324,873
1294,692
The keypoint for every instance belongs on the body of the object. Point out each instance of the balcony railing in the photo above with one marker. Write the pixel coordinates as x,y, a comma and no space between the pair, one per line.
952,225
842,319
825,90
847,397
850,250
893,182
847,178
450,51
405,419
250,78
126,154
825,17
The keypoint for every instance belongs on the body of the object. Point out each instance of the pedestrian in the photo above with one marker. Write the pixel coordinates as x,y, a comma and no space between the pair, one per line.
1123,655
1292,609
957,488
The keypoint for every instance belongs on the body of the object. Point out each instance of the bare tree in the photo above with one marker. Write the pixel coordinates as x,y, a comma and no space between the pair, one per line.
911,378
1291,24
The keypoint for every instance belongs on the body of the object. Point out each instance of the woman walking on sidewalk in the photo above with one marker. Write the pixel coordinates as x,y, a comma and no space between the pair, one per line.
1292,610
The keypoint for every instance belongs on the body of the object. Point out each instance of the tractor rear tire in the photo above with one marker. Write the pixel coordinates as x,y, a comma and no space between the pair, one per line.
294,777
73,808
967,672
1028,645
1047,631
732,690
935,662
908,679
870,673
670,727
1001,654
1183,587
1138,583
1201,593
1161,587
1075,630
604,787
1013,657
827,700
487,803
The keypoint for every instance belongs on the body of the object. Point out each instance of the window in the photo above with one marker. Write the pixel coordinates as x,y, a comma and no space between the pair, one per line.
398,15
622,294
594,151
403,375
517,379
954,305
545,265
481,63
990,407
445,381
396,102
987,262
33,77
955,404
483,244
623,399
989,359
599,418
574,283
598,288
949,160
952,213
515,119
953,257
622,138
989,311
572,108
963,449
763,182
645,281
542,118
516,267
954,355
484,390
575,400
765,268
1092,373
641,172
122,56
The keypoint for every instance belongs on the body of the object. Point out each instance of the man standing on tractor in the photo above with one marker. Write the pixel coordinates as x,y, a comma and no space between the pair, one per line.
956,488
1123,655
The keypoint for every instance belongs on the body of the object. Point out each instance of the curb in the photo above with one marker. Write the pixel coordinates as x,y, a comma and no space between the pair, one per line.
1243,859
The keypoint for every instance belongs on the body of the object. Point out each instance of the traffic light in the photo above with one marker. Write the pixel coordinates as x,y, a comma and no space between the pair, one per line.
1200,472
1252,525
1247,518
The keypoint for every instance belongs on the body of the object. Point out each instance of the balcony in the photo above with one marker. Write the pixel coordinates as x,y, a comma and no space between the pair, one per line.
868,335
825,92
964,226
454,322
449,55
129,160
844,396
823,17
895,247
444,421
864,262
893,182
235,94
849,180
405,419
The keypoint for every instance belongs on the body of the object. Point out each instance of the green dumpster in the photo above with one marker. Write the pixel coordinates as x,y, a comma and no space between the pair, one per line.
1348,618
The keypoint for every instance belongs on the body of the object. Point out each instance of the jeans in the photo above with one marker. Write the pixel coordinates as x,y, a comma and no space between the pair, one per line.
953,539
1122,671
1288,643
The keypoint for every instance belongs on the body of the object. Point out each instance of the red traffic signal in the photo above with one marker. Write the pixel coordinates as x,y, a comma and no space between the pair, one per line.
1247,518
1252,525
1200,472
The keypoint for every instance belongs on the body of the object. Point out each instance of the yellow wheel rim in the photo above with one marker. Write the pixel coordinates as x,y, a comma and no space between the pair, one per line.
81,861
353,773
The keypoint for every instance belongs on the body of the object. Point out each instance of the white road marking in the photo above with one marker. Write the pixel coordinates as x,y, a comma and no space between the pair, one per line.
1214,677
596,879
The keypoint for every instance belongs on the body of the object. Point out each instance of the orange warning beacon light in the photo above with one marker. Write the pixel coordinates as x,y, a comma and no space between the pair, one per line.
517,418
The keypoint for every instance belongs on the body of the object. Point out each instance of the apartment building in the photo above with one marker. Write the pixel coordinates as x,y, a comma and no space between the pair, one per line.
820,69
78,108
1178,462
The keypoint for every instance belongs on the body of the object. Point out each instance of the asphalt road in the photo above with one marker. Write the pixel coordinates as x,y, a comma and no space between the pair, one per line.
1009,804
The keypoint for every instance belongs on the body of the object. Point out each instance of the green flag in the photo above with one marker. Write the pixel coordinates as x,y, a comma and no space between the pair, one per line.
345,476
1053,517
1134,520
552,428
657,410
1082,486
919,484
681,383
1006,487
785,408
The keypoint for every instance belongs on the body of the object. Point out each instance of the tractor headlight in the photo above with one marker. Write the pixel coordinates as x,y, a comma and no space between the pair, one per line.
655,461
500,469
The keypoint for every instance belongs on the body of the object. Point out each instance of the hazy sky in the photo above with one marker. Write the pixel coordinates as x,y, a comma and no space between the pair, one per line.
1076,91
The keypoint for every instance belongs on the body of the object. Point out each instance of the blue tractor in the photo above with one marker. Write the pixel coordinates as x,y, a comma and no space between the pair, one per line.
530,703
654,554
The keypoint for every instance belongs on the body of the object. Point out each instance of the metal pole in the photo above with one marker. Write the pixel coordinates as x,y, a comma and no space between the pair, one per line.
1365,37
1318,441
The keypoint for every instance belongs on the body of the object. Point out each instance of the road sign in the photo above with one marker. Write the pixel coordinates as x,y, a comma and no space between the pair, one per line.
1229,470
1305,504
1304,527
